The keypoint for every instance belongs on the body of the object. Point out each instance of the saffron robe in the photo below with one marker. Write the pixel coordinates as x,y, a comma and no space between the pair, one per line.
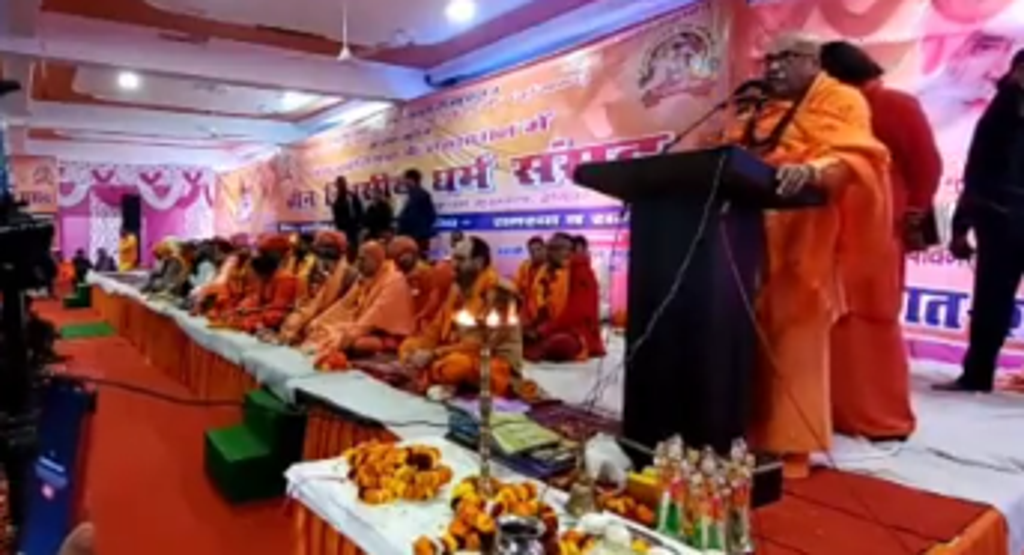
456,352
870,363
429,286
562,309
374,309
319,298
266,303
821,262
127,253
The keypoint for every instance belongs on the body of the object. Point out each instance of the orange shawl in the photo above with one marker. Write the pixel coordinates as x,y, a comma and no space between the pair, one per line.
429,286
382,303
325,295
444,337
525,276
127,253
819,256
302,268
547,296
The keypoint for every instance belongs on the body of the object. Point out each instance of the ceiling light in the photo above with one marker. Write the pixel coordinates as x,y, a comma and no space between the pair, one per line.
461,11
129,81
295,100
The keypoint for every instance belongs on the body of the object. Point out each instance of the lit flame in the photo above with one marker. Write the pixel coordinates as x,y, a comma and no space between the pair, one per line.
465,319
493,320
512,319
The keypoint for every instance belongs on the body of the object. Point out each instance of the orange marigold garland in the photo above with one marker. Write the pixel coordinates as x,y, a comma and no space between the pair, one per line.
474,524
385,473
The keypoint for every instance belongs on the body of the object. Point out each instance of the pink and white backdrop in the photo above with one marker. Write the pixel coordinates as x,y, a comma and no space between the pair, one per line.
176,201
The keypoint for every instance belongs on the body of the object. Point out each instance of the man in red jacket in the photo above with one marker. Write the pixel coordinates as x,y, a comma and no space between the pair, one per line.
870,366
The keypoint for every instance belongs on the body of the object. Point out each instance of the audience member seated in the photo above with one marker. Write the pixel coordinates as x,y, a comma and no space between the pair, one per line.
82,266
272,291
127,251
561,313
301,260
104,262
170,272
331,277
373,316
428,283
529,268
227,289
449,357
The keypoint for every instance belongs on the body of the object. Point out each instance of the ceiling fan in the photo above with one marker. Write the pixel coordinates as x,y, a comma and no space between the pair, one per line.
400,39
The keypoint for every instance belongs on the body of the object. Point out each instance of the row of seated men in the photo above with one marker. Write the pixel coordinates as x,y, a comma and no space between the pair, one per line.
301,291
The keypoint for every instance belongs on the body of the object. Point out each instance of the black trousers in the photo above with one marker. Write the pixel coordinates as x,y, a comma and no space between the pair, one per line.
999,266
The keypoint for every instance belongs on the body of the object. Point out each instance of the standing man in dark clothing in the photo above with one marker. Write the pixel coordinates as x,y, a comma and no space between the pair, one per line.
347,210
380,216
418,216
992,206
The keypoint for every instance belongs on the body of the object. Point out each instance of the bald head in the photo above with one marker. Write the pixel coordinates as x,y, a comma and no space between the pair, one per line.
792,62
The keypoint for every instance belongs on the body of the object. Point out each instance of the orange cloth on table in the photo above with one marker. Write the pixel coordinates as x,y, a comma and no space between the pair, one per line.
268,300
870,364
127,253
456,352
381,304
562,308
822,262
323,296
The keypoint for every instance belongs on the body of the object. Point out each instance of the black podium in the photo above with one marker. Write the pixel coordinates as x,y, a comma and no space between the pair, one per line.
692,372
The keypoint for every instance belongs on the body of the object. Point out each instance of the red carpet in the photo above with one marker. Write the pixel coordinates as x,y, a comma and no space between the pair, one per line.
146,489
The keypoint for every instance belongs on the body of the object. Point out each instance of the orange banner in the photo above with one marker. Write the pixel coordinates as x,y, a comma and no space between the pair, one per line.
35,182
244,200
510,143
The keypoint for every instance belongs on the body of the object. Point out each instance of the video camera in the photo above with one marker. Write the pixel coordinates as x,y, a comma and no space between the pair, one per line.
25,263
24,241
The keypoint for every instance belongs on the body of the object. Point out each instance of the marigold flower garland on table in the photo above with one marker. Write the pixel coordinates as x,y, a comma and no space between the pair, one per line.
474,525
384,473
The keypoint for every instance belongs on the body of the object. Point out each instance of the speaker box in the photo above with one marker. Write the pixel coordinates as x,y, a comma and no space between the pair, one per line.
131,214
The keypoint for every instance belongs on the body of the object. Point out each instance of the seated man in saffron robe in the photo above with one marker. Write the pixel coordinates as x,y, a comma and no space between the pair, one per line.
449,356
560,312
233,275
271,295
301,260
822,262
373,316
328,281
528,269
127,251
429,284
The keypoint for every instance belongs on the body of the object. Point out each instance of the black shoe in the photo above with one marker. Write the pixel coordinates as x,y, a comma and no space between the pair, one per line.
959,386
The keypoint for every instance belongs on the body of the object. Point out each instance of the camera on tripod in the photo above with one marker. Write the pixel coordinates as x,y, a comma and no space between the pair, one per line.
24,240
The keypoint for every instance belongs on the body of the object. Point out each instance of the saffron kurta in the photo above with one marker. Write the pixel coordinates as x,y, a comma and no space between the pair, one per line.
455,353
870,364
378,307
320,297
127,253
822,262
562,308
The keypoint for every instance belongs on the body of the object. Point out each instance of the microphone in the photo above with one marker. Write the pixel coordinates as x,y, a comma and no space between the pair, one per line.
753,91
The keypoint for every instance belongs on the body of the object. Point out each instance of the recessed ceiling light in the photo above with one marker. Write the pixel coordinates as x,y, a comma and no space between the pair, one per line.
461,11
295,100
129,81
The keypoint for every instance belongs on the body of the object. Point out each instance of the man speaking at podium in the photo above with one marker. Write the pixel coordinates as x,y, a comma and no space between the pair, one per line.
822,262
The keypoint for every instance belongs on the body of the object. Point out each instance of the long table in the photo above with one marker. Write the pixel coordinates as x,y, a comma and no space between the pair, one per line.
348,408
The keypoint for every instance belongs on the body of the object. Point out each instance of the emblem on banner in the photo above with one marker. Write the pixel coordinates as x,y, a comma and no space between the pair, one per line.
681,60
